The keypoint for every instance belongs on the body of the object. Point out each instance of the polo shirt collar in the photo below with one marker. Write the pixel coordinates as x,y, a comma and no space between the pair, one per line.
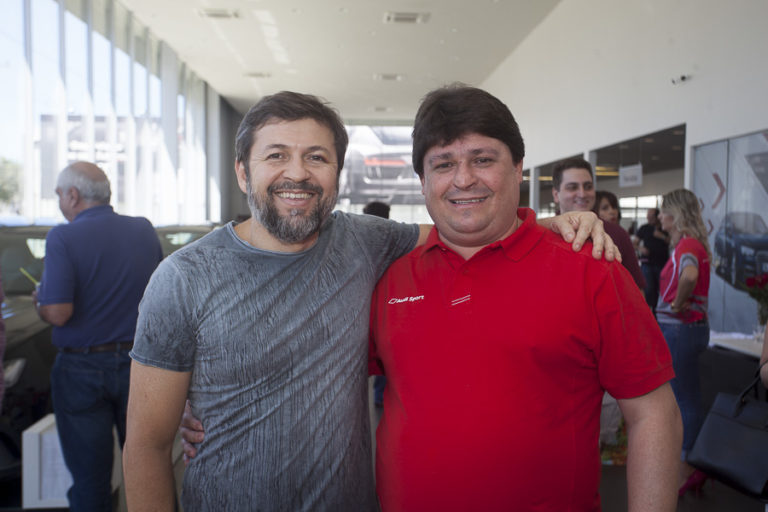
93,211
515,246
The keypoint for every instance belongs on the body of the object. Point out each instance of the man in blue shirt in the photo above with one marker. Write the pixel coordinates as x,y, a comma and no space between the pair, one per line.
96,269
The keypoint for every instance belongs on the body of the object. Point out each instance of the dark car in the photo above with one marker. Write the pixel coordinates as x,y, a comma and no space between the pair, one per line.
378,166
29,353
175,237
741,247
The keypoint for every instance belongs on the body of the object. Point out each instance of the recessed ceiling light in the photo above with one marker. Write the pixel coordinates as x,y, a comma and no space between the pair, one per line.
218,14
259,74
406,17
648,140
388,77
382,109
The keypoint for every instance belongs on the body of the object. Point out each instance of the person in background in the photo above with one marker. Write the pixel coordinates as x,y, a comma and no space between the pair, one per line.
682,313
378,209
463,324
607,206
573,189
653,247
96,269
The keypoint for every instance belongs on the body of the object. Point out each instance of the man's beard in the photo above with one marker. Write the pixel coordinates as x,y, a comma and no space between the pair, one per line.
299,224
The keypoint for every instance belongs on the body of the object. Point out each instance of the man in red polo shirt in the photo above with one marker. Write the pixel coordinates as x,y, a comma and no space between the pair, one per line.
498,342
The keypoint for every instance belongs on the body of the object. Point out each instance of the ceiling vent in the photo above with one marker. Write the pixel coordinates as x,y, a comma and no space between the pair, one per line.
388,77
218,14
406,17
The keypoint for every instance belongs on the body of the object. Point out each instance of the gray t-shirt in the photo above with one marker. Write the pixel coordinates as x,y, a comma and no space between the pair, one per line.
277,346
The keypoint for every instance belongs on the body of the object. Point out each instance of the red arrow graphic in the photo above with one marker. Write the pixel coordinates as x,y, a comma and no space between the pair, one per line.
721,187
711,227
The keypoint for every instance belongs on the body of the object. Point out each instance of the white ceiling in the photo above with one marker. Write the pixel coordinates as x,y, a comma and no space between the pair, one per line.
336,48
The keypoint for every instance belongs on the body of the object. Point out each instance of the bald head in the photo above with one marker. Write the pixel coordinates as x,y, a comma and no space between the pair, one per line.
89,180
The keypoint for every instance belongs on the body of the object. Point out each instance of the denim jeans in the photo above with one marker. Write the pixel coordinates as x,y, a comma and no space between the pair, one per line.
90,396
379,382
686,343
652,274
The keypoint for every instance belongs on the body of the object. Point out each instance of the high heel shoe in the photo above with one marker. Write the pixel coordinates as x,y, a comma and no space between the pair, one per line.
694,483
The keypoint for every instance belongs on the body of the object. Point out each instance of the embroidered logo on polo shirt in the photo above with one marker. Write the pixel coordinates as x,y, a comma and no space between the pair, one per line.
406,299
460,300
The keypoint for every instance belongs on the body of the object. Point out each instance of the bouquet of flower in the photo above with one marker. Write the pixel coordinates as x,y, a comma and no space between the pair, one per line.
757,288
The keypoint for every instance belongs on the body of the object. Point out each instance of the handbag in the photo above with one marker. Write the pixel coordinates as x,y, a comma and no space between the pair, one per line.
732,445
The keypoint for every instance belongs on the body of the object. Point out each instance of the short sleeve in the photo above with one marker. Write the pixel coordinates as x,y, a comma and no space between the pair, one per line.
384,240
165,330
58,281
688,249
634,358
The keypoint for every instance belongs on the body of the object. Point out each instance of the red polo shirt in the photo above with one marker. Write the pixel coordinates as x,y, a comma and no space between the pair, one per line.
496,368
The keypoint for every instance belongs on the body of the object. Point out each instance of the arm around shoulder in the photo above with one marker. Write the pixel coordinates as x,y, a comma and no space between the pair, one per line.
155,404
655,436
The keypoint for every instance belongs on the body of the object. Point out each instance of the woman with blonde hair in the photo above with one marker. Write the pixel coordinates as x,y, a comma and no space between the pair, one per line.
682,313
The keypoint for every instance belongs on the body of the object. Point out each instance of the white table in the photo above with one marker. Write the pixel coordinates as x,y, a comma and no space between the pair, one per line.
738,342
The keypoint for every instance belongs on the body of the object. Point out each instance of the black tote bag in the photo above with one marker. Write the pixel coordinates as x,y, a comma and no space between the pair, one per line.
732,445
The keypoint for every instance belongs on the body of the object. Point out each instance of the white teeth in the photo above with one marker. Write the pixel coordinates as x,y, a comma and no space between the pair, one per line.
294,195
467,201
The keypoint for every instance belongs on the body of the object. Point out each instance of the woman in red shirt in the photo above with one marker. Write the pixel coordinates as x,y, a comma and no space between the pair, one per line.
682,313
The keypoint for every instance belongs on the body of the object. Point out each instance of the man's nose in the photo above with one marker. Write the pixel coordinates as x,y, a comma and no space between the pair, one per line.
464,176
296,169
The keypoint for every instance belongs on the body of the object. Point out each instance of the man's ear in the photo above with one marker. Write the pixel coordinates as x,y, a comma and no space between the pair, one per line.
242,176
554,195
73,196
422,183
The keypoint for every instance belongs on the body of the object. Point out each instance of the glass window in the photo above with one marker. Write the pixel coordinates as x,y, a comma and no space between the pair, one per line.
48,98
125,136
102,59
12,92
103,125
731,181
79,135
139,69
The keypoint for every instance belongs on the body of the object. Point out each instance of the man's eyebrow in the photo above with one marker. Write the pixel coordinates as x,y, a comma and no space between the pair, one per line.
440,156
278,145
478,151
449,154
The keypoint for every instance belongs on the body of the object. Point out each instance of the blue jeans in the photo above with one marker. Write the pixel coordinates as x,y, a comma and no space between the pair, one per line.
686,343
90,396
379,382
652,274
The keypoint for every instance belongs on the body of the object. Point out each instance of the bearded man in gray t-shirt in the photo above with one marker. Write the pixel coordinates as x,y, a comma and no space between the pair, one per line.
264,325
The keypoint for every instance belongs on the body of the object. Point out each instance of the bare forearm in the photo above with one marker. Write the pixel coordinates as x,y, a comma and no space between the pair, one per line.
653,459
149,481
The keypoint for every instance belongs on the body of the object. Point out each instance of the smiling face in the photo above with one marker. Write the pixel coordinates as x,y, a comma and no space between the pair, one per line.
576,192
291,182
472,190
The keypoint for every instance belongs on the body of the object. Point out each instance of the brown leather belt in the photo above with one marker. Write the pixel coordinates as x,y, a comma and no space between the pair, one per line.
115,346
